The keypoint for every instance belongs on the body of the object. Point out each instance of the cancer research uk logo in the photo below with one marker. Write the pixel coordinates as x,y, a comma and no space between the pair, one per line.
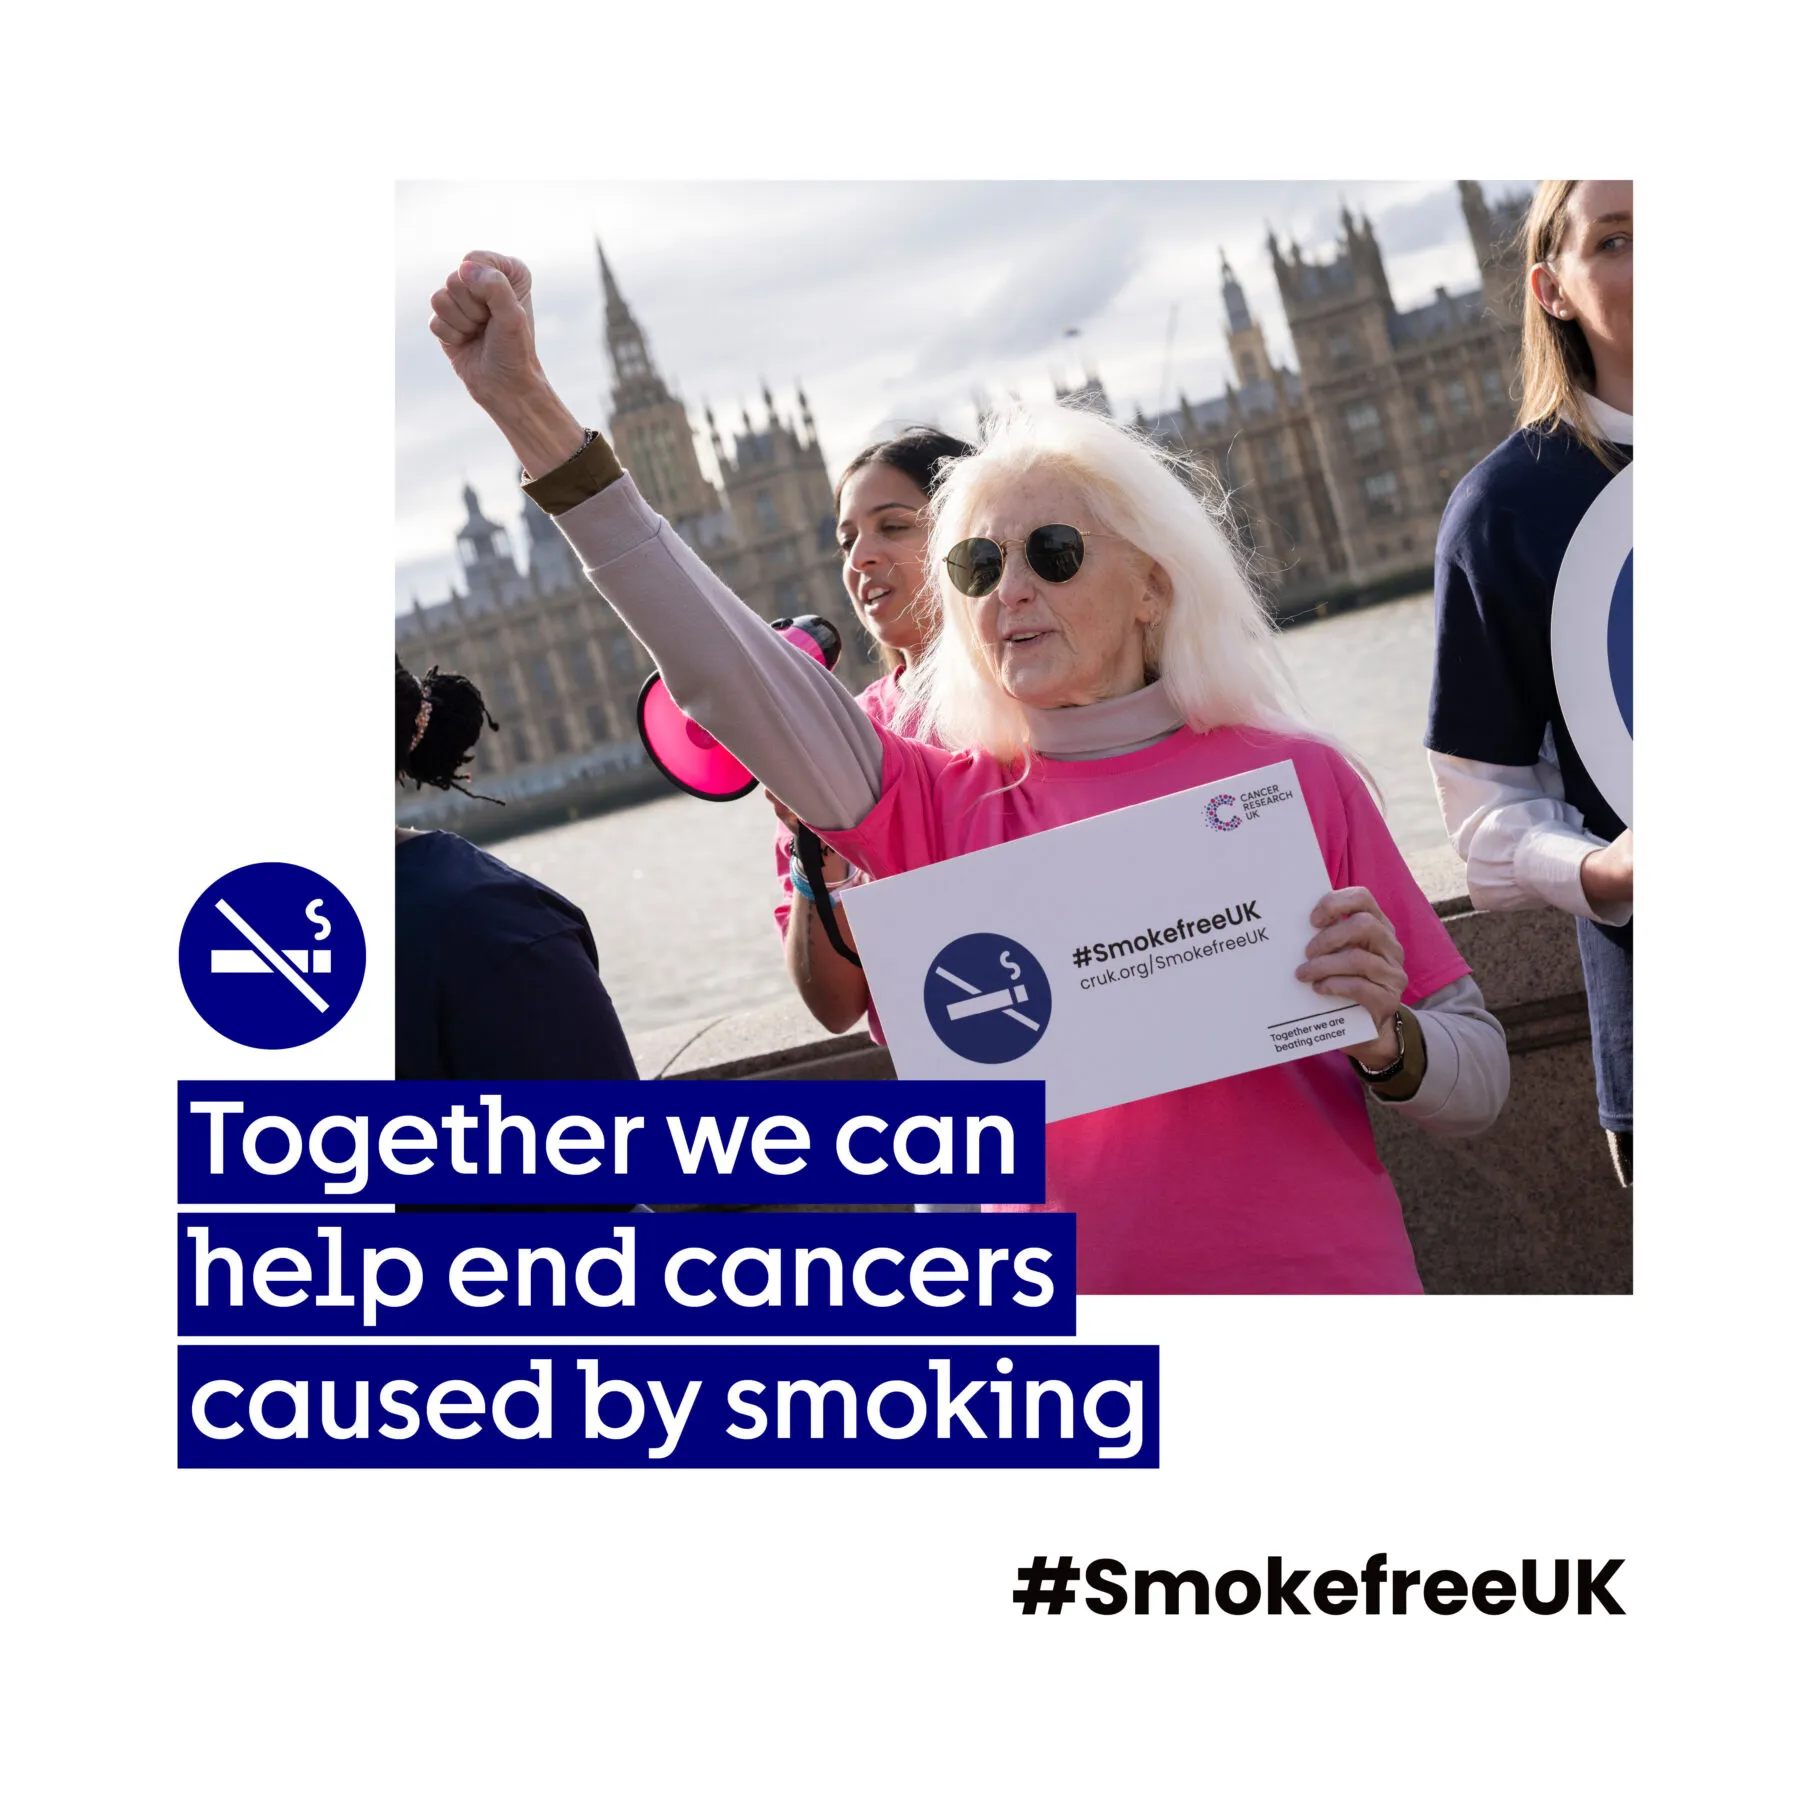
272,955
1226,812
987,998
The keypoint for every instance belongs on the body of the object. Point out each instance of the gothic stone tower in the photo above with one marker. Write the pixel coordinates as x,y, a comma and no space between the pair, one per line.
1494,231
1243,334
783,559
486,557
1404,403
648,426
1340,473
1258,436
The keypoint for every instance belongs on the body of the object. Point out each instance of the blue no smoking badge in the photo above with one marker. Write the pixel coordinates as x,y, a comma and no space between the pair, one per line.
272,955
1590,641
987,998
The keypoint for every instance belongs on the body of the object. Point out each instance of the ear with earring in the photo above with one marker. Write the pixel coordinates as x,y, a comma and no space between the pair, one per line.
1558,308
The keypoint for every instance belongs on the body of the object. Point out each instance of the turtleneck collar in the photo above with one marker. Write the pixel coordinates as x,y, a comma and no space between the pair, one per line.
1106,728
1612,424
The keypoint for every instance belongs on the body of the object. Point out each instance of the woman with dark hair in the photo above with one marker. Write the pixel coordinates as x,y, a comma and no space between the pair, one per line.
495,975
880,503
1525,813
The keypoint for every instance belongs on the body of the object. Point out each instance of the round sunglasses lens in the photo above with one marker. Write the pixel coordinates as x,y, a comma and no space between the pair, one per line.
974,566
1055,552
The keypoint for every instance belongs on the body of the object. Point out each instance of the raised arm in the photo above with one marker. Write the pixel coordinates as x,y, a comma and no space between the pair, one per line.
794,726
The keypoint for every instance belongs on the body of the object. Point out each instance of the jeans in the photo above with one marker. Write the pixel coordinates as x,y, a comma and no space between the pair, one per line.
1606,963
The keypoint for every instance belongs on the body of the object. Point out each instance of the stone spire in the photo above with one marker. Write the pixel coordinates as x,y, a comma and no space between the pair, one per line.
1237,311
1243,336
485,553
648,424
609,288
636,383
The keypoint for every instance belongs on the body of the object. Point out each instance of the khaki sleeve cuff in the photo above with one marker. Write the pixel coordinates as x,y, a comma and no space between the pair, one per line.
1411,1076
590,470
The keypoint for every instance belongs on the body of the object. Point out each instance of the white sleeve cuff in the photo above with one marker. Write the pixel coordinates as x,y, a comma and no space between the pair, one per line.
1467,1068
1547,863
1523,842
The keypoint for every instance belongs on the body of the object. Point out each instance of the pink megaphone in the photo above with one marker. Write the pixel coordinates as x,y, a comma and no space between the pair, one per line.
691,756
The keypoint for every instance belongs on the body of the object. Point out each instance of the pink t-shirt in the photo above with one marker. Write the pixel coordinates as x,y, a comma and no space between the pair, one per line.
880,700
1258,1184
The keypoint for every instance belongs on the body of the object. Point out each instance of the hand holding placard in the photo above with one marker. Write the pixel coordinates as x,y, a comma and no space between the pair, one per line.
1184,975
1357,955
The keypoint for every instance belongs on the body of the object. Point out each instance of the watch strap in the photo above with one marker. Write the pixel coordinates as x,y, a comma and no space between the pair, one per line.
1400,1081
1375,1077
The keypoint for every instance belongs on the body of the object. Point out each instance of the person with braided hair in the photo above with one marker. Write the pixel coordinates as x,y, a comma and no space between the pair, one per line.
495,975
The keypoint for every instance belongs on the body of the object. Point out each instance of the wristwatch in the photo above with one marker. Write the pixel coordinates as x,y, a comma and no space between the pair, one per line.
1375,1077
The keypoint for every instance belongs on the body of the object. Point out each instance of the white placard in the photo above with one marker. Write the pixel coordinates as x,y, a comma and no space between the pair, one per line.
1144,950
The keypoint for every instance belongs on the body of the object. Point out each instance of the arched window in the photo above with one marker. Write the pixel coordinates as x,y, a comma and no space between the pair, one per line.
1362,419
1382,494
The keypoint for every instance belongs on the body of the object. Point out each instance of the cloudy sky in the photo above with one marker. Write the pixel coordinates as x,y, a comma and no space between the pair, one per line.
892,302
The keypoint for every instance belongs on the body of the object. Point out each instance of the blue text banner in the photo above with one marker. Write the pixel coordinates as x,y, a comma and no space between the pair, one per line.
524,1274
388,1405
357,1145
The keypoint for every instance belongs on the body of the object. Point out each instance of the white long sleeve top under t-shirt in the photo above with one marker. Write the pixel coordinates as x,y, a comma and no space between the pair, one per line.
1524,844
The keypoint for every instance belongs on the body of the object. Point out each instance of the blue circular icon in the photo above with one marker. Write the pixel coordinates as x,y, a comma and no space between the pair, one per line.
272,955
987,998
1618,641
1591,640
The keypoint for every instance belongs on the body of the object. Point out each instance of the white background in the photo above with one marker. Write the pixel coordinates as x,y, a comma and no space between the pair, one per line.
198,309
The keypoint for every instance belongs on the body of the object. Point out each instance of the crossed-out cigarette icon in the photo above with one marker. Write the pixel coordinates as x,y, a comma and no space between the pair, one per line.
259,959
1001,1000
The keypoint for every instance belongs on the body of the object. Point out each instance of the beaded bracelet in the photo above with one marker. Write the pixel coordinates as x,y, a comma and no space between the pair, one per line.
797,879
797,876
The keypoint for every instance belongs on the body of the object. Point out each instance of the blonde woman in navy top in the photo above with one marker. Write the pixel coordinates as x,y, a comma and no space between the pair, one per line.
1521,806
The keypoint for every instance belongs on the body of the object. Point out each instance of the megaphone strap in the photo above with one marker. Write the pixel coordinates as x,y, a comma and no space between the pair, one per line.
812,866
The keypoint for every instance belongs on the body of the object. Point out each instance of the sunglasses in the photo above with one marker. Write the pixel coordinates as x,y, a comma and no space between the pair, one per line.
1054,552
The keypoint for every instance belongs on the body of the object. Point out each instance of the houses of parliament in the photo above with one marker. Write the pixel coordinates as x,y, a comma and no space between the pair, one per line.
1338,472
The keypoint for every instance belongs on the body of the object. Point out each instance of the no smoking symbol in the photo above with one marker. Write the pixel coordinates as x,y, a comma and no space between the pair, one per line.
987,998
272,955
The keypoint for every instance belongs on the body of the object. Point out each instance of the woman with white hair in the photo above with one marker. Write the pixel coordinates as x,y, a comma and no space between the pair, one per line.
1099,648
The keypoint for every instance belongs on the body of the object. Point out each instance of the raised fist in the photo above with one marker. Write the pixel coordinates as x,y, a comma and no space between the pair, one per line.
482,317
